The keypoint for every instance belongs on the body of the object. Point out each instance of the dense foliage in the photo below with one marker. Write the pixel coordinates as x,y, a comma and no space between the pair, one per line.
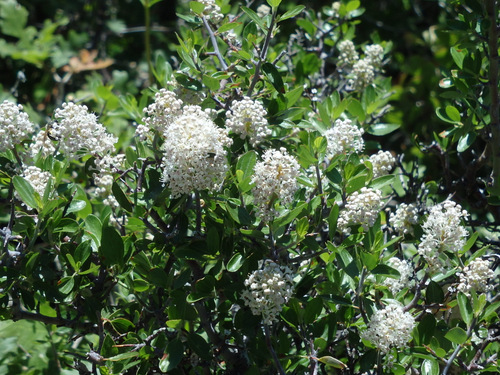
249,187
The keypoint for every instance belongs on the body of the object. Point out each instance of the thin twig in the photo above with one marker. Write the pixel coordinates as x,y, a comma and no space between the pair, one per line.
273,352
213,39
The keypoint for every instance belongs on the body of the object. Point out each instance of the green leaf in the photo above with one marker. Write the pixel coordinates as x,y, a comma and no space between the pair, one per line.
458,56
254,17
292,13
93,227
122,325
121,198
111,249
273,76
434,293
385,270
196,7
211,83
313,310
274,3
382,181
246,164
430,367
356,109
235,262
83,251
466,141
123,356
67,283
382,129
198,344
76,205
26,192
465,308
456,335
453,113
332,362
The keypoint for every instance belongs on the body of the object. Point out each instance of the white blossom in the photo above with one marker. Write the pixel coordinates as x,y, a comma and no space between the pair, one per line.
194,157
344,137
405,270
347,53
15,125
275,178
263,10
374,54
268,290
361,75
248,119
390,327
42,144
77,129
362,208
382,163
443,231
476,276
160,114
212,11
404,218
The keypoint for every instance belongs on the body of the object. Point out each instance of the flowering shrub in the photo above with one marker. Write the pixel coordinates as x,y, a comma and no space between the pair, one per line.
247,211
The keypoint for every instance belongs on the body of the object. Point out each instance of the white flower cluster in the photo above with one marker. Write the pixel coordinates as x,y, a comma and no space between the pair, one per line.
362,75
275,178
166,107
362,208
263,10
374,54
442,232
476,277
382,163
390,327
37,178
248,119
347,53
42,144
405,270
14,125
76,129
194,156
268,290
212,11
103,178
404,218
361,72
344,137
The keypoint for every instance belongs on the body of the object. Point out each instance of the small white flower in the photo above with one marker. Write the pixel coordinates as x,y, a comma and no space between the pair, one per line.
344,137
77,129
159,115
404,218
42,144
405,270
374,54
390,327
194,157
275,178
15,125
382,162
212,11
362,74
263,10
248,119
268,290
347,53
476,276
362,208
443,231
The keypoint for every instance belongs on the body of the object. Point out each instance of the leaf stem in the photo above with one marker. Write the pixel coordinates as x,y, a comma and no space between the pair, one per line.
277,363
